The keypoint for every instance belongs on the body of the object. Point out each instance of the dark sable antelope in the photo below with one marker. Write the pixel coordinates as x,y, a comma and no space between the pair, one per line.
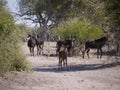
96,44
31,44
66,43
62,53
40,44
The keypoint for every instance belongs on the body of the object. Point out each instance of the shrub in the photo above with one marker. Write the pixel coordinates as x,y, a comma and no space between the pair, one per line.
80,30
10,56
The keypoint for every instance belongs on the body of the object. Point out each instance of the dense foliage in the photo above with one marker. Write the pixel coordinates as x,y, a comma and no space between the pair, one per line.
10,56
78,29
113,17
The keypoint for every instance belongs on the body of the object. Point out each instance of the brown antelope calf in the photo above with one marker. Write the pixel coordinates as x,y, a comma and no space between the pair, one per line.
62,53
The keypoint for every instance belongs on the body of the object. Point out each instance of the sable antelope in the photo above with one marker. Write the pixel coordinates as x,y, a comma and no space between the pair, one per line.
95,44
31,44
66,43
40,44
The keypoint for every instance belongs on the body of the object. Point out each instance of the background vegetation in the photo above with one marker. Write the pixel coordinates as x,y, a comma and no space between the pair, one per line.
102,13
80,30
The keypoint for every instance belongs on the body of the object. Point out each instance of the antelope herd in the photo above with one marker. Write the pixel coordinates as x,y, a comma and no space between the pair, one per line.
63,48
35,41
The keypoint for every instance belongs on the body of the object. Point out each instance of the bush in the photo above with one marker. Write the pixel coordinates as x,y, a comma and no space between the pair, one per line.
10,56
80,30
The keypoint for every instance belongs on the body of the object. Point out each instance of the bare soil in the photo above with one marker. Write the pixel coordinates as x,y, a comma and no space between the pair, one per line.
83,74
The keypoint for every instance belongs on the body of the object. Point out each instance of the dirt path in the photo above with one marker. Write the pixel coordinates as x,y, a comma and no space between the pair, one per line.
87,74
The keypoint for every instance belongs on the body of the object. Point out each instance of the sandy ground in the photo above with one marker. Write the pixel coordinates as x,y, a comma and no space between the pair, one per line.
83,74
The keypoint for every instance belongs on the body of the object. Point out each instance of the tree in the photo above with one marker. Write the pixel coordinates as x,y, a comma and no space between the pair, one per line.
45,12
112,8
49,13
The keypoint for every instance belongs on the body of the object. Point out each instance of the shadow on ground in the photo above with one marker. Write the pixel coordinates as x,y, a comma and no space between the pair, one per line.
78,67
